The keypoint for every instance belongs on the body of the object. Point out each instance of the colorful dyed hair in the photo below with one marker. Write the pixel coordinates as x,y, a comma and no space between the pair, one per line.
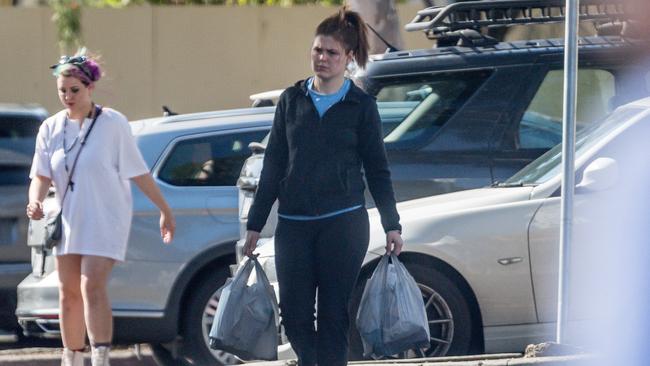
84,68
347,27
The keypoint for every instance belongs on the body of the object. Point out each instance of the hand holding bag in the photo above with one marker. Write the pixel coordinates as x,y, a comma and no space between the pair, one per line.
48,232
246,321
392,317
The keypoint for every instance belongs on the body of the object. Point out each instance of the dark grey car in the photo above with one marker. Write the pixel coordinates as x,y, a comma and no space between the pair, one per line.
474,110
18,128
458,118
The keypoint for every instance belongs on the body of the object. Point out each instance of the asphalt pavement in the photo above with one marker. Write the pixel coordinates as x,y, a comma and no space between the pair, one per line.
546,354
127,357
48,356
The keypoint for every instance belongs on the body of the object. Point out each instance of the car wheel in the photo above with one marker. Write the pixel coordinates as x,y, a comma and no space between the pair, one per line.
198,317
450,319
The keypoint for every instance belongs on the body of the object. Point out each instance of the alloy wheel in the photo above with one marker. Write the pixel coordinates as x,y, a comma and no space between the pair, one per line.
441,322
207,319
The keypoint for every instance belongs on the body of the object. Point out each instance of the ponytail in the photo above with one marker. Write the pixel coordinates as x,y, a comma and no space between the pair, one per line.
347,27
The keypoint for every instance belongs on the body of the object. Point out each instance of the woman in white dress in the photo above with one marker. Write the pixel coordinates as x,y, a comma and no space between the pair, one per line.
97,208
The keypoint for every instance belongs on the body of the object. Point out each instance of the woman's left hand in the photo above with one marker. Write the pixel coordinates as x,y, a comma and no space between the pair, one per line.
167,226
394,242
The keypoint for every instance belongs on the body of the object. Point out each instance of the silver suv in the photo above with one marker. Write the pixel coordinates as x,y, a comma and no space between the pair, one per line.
166,295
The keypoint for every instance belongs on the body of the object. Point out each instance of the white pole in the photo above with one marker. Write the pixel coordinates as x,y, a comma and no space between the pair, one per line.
568,152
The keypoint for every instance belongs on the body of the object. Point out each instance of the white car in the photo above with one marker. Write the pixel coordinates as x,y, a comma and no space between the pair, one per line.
487,259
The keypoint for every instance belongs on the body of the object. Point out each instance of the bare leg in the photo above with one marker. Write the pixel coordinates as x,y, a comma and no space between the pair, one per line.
73,327
95,272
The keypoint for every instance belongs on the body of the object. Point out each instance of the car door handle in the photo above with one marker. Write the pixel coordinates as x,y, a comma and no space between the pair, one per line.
511,260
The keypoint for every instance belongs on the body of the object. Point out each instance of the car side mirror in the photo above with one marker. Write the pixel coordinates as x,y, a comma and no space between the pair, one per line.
600,175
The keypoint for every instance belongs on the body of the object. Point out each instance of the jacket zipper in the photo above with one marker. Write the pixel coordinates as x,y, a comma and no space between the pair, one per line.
319,128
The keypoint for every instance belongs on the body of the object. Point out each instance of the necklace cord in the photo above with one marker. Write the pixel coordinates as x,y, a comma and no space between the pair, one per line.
70,185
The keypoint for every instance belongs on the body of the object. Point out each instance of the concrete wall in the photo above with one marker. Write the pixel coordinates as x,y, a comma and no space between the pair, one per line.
191,58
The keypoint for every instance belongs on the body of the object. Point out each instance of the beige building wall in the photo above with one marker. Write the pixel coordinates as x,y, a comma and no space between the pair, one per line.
190,58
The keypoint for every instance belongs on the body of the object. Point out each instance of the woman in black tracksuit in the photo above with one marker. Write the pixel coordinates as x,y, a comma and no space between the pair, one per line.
324,131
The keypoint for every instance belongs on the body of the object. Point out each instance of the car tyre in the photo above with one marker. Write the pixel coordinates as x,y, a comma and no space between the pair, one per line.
448,311
197,316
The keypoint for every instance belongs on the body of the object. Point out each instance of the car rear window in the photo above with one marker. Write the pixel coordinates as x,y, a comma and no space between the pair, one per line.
541,124
415,108
208,160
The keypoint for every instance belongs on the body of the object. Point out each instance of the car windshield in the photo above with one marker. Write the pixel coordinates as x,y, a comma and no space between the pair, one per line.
550,164
17,141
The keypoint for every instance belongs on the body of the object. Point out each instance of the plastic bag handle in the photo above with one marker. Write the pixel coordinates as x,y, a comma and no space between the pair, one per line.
244,273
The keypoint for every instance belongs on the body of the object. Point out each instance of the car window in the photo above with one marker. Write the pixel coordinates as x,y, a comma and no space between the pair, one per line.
208,161
416,108
541,124
14,127
549,164
17,142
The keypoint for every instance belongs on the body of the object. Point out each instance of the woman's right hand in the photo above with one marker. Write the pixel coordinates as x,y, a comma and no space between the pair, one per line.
251,242
35,210
167,226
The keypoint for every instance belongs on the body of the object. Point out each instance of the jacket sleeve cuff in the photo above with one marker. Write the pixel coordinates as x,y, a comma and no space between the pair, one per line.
393,227
254,225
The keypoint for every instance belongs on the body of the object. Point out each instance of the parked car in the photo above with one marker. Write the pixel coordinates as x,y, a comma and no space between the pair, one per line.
486,260
473,111
18,128
165,295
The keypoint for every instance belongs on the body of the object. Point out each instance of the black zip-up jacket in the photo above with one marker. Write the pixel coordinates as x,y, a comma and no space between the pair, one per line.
312,165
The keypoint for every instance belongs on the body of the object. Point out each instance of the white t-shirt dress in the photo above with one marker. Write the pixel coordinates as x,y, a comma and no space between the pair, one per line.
97,212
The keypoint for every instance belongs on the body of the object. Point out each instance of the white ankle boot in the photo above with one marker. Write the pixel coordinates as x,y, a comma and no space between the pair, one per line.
99,356
72,358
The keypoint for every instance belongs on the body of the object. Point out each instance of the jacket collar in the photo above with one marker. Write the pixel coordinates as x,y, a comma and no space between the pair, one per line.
353,95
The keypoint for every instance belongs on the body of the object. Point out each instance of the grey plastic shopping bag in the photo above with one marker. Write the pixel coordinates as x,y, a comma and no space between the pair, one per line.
246,321
391,317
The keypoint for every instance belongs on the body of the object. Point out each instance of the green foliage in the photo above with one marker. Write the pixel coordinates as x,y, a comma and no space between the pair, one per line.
246,2
67,18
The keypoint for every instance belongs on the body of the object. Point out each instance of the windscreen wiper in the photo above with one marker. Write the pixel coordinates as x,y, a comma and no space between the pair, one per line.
507,185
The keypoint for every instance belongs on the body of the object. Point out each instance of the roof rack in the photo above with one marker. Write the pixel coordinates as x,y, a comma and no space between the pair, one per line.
438,21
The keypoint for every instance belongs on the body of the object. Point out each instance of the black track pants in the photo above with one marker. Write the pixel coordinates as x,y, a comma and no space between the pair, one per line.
323,255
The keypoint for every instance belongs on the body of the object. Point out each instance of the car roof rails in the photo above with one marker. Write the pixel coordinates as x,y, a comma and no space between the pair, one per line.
464,21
